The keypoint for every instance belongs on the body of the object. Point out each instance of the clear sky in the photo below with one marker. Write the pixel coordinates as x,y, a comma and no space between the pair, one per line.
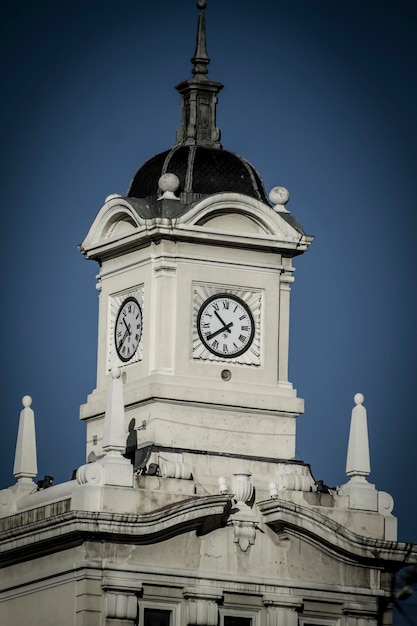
321,97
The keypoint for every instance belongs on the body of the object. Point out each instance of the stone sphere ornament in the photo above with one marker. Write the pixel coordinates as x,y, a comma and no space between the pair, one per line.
359,398
27,402
279,196
168,184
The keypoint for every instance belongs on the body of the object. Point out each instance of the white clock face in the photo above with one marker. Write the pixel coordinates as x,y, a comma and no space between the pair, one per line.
225,325
128,329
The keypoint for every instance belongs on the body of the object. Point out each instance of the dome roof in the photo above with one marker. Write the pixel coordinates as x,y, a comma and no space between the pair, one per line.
198,159
201,171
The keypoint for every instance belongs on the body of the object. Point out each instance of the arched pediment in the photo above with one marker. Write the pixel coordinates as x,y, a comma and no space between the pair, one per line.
116,219
239,215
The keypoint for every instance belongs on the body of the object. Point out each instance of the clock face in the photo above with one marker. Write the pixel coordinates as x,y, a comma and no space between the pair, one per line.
128,329
225,325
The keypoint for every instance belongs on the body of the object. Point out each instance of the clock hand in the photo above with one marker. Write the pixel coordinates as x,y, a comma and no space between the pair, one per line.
127,333
218,317
127,327
221,330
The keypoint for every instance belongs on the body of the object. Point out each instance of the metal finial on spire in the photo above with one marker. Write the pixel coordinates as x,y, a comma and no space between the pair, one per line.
200,59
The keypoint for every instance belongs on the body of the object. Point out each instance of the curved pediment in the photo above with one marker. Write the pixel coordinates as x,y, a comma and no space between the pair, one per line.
238,214
225,218
116,219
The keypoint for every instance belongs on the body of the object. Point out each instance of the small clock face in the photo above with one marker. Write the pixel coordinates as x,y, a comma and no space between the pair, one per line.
225,325
128,329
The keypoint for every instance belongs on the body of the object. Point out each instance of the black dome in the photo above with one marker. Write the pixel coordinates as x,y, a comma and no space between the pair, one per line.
201,171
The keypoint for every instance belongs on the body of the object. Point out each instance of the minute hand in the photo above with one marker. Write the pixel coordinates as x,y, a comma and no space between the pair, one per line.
221,330
220,319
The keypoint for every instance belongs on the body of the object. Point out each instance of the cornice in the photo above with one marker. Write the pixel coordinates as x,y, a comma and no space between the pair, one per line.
295,520
43,534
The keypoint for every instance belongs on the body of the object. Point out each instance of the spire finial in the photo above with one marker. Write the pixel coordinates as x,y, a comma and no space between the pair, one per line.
200,59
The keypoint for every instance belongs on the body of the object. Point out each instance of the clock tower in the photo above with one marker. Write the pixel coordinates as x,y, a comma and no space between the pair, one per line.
191,509
194,282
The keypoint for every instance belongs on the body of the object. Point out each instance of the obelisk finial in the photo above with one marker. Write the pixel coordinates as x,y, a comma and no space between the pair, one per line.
358,462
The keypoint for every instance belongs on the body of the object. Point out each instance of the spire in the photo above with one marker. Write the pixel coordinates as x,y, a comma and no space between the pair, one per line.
199,96
200,59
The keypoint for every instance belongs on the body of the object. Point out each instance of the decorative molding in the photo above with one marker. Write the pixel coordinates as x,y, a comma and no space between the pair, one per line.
91,474
284,601
385,503
278,234
244,532
292,477
174,469
293,519
121,581
115,211
61,528
244,522
242,486
203,593
164,267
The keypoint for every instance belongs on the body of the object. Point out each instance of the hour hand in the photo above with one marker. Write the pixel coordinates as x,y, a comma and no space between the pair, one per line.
121,342
220,330
127,328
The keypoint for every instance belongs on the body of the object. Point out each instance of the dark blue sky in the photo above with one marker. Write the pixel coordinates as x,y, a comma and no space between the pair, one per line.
321,97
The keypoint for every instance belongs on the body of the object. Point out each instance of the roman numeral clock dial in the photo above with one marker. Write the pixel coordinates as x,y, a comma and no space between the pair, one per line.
128,329
225,325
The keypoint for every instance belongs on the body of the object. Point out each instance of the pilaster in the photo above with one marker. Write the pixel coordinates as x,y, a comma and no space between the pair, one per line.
282,610
286,279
